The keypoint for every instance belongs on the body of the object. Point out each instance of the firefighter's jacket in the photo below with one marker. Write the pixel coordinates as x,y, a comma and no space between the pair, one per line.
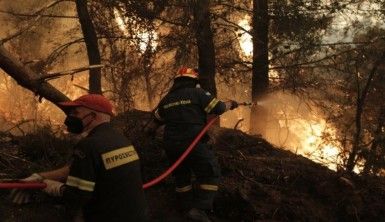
184,112
105,179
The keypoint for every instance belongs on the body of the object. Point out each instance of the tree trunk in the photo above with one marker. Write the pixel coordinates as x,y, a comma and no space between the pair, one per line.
371,163
147,70
361,99
260,32
205,43
91,41
28,79
260,71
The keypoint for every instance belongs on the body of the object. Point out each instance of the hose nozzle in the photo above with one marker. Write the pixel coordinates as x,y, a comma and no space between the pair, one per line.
246,104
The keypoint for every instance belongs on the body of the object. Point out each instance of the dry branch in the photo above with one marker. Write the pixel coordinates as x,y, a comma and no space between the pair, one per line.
33,23
55,75
27,78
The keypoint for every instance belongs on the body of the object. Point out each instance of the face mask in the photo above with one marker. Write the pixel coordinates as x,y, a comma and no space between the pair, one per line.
75,124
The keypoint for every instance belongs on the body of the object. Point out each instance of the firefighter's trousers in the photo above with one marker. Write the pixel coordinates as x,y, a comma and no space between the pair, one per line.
201,163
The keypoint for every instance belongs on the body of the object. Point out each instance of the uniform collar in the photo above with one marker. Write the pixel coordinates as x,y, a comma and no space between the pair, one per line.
99,127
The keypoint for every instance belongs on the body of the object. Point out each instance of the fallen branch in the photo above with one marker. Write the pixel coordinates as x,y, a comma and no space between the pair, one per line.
42,15
238,122
27,78
258,184
18,158
55,75
7,164
81,87
18,126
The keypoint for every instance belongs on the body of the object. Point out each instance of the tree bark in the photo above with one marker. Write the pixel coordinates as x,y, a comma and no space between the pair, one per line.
361,99
260,38
205,43
260,71
28,79
91,41
371,163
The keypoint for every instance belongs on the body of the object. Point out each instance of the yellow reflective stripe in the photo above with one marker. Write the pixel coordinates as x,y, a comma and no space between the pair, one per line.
211,105
80,183
183,189
119,157
177,103
208,187
156,114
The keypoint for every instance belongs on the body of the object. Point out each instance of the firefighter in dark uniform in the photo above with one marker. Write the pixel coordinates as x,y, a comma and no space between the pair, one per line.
184,112
103,182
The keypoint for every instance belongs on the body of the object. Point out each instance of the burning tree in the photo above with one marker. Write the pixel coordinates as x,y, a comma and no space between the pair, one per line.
142,43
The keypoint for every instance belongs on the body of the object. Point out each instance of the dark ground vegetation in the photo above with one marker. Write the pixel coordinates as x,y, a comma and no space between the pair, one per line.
260,182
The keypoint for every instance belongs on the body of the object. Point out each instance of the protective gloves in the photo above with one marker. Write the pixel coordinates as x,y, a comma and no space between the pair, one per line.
33,178
231,104
54,188
20,196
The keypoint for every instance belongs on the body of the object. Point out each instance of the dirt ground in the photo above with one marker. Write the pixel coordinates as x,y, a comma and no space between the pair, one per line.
259,183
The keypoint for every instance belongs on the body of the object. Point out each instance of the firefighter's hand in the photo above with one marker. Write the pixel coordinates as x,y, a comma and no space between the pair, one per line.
54,188
33,178
150,129
20,196
230,105
233,105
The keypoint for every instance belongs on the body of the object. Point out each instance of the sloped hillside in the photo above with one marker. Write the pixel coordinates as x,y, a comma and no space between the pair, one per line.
263,183
259,183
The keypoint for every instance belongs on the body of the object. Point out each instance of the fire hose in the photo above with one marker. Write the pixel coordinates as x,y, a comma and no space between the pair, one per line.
15,184
18,184
182,157
187,151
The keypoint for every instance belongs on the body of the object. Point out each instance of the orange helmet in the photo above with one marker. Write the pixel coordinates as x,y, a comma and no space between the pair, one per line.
187,72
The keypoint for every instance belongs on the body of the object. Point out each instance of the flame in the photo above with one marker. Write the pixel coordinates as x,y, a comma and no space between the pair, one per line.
146,37
292,124
245,39
246,44
314,145
301,134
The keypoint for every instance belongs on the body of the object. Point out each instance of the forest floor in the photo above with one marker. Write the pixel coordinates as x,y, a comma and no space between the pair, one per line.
260,182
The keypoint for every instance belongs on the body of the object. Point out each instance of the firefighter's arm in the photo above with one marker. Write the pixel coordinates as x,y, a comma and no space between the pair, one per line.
60,174
230,105
212,105
80,183
157,121
54,180
222,107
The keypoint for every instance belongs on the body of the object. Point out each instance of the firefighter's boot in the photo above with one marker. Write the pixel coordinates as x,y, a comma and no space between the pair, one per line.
196,214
